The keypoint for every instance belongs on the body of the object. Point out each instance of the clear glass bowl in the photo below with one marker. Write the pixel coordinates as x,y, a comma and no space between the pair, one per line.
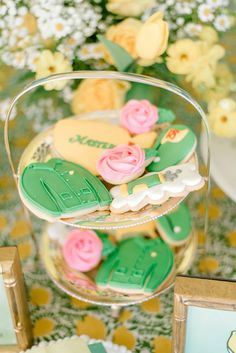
168,93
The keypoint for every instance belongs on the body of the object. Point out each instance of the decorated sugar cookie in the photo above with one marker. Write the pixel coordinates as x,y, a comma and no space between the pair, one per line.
156,188
82,249
175,227
84,141
137,265
124,163
138,116
175,145
61,189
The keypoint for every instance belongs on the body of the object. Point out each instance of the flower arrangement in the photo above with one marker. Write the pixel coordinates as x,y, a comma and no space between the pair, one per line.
178,41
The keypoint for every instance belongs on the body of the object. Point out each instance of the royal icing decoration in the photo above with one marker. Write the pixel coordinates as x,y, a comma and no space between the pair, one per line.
61,189
84,141
176,227
175,145
122,164
138,116
82,250
156,188
137,265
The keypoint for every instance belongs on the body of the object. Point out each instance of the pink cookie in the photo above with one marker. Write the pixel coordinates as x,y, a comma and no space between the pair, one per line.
82,250
121,164
138,116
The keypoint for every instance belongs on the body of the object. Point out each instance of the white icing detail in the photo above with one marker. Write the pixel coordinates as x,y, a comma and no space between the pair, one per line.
187,180
157,159
57,231
177,229
154,254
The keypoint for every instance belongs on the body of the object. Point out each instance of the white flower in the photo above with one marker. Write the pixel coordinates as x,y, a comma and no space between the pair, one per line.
192,29
214,3
222,23
90,51
183,8
180,21
60,28
4,107
205,13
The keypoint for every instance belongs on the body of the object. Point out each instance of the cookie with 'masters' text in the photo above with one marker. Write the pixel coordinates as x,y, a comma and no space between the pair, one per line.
84,141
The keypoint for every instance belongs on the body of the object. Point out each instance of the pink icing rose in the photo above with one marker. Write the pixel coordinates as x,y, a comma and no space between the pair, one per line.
82,250
138,116
121,164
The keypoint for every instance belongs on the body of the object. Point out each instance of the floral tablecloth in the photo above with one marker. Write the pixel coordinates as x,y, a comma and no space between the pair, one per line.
142,328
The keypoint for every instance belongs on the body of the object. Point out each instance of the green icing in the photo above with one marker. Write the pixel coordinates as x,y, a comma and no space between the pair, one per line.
108,246
172,153
176,226
137,264
165,116
97,348
149,179
61,187
150,153
84,140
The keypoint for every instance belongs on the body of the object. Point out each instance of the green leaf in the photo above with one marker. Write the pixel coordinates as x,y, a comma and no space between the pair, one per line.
121,57
142,91
165,116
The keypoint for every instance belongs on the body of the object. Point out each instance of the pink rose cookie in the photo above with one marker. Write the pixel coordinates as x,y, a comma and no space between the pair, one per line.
82,250
138,116
122,164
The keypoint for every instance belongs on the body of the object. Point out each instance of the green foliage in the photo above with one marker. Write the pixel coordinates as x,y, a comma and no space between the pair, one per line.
122,59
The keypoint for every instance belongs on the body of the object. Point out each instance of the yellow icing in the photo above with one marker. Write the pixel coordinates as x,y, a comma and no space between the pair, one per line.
124,189
145,140
139,188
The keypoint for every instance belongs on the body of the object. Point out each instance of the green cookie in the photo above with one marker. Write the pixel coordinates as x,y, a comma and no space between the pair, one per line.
137,265
176,227
97,348
174,145
59,188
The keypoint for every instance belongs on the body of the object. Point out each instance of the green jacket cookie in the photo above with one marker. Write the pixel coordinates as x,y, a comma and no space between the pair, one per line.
174,145
138,264
59,187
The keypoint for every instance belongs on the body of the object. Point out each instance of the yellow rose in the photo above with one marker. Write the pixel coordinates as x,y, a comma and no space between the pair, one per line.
99,94
152,38
129,7
222,117
182,55
49,63
208,34
125,34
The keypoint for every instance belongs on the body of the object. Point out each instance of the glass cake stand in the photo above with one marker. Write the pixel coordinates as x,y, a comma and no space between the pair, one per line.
40,149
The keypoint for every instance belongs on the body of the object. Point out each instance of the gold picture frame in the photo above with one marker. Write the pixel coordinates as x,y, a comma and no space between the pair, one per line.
15,325
200,305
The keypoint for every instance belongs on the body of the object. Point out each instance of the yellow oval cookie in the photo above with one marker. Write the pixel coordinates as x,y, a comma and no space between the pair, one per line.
83,141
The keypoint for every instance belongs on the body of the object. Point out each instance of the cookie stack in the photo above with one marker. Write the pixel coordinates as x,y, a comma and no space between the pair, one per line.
142,164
